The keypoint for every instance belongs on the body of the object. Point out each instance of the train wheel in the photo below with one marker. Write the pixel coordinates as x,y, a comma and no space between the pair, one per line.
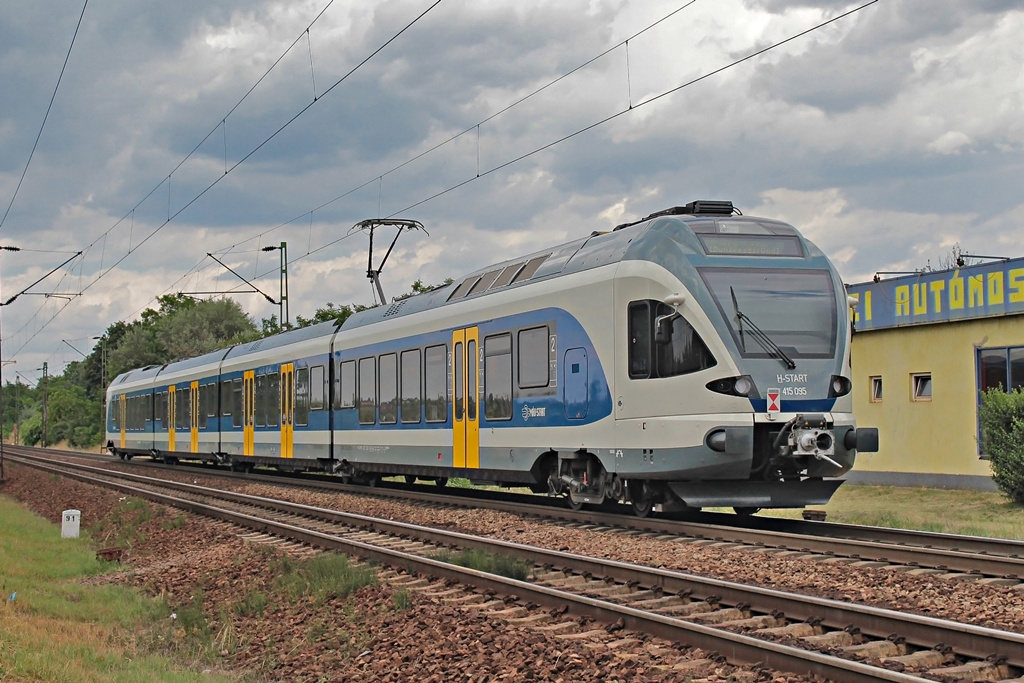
410,479
745,511
441,482
576,505
640,497
643,507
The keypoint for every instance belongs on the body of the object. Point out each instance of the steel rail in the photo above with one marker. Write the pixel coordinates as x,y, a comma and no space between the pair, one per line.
922,631
997,558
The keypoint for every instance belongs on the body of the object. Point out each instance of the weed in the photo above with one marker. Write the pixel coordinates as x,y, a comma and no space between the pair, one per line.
502,565
252,605
324,576
177,523
402,599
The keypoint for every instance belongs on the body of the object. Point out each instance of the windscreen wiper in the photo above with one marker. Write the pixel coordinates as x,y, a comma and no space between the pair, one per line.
759,335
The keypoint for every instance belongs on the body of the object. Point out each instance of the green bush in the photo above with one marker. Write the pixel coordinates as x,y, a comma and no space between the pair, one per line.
1002,439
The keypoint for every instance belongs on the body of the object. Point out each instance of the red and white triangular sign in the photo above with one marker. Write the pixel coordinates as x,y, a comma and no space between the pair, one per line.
774,401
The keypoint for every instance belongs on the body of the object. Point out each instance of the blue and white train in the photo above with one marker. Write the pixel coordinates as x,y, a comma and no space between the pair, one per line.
695,358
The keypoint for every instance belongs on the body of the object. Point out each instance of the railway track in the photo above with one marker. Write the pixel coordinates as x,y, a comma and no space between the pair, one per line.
784,631
989,561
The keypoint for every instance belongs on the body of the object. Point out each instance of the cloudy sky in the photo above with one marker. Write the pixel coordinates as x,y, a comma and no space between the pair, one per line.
887,136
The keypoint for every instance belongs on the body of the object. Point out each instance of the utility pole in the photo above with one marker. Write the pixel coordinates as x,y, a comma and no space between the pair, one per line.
103,386
284,284
44,383
282,298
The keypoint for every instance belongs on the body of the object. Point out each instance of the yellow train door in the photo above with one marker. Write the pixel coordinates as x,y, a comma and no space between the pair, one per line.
287,391
172,414
465,400
194,426
249,412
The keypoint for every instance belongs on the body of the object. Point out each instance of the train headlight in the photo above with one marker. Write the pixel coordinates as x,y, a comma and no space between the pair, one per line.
734,386
839,386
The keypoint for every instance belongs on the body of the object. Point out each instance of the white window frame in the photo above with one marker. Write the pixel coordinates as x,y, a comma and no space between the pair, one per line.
876,388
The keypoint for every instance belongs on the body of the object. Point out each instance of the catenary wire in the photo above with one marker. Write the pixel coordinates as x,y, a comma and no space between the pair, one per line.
537,150
45,117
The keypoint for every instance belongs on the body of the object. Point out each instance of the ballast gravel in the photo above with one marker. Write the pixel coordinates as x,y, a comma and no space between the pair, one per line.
379,634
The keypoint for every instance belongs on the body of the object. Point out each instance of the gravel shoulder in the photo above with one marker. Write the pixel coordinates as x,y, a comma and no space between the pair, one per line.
379,633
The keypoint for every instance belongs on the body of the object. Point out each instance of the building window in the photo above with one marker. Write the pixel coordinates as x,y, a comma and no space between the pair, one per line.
876,389
1001,368
921,386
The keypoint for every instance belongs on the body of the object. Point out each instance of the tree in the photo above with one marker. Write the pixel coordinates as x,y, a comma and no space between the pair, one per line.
330,312
202,328
1002,438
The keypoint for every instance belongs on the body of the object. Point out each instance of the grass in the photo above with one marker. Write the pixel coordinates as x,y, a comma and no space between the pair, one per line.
325,576
972,513
58,628
975,513
490,563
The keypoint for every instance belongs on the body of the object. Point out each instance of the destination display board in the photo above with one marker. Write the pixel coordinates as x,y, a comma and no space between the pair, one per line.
976,291
727,244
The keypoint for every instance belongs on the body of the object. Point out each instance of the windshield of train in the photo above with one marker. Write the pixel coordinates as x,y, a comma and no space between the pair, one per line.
795,309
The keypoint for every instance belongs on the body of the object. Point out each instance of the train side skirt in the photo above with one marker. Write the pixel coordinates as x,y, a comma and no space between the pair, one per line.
759,494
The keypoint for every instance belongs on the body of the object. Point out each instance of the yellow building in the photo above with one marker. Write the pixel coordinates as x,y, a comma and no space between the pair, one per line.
924,346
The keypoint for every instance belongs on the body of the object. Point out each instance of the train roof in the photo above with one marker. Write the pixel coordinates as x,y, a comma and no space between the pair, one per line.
319,330
628,240
137,374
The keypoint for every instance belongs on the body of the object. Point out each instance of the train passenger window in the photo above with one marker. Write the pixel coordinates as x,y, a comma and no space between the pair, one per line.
389,388
348,384
236,403
685,351
273,399
261,400
410,406
204,401
507,275
530,268
436,383
211,395
316,388
336,386
498,377
302,396
533,358
225,398
367,391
